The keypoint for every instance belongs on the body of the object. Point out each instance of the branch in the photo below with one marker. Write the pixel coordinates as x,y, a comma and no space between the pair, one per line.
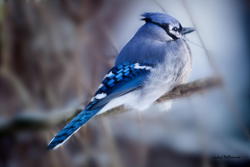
40,121
183,90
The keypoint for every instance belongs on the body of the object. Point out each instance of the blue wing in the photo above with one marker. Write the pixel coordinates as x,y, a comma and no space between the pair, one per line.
120,80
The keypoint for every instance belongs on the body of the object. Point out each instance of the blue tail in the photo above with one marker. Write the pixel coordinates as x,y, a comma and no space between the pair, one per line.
71,128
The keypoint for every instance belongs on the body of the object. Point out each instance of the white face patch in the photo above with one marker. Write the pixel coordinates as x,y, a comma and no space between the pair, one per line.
173,32
138,66
100,96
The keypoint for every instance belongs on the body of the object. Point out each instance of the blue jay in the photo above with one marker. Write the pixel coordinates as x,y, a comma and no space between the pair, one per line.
153,62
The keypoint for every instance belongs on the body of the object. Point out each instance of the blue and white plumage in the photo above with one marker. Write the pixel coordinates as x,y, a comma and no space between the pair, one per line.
154,61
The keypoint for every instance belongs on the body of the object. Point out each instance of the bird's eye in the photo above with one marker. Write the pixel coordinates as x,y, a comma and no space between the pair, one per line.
175,29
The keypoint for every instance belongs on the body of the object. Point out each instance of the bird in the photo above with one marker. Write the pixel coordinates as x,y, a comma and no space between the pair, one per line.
153,62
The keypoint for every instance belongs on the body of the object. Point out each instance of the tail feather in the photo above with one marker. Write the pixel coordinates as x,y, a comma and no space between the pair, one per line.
75,124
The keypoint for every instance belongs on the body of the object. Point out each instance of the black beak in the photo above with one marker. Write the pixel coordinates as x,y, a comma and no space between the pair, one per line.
187,30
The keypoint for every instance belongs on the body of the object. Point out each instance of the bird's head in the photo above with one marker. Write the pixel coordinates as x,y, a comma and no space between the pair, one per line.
171,26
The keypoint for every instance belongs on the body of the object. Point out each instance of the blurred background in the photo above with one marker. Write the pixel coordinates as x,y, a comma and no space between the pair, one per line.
54,53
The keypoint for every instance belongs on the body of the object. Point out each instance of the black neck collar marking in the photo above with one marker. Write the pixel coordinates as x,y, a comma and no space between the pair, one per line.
163,26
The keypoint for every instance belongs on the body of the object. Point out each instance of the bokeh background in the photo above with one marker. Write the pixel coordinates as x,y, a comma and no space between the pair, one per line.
54,53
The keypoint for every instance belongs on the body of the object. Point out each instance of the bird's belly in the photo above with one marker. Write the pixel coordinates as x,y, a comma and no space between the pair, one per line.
138,100
128,100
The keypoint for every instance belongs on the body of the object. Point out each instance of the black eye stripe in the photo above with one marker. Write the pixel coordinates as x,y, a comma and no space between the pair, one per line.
147,20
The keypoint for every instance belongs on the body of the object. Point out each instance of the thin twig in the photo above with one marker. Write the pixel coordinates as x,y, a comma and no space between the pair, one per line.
17,86
160,6
203,45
